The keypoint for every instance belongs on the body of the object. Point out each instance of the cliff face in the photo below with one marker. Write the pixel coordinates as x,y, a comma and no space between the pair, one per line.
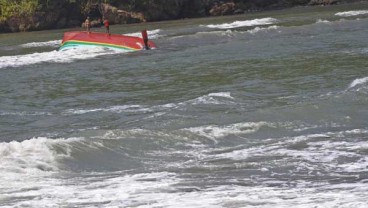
28,15
14,17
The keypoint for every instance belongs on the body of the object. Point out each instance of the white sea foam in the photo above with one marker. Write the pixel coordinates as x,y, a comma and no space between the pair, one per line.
216,131
359,81
114,109
66,56
322,21
152,34
167,189
221,94
121,109
352,13
32,156
259,29
149,190
317,151
245,23
123,190
211,98
51,43
23,113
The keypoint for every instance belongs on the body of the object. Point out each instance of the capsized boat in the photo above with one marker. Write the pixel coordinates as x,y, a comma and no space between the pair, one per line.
115,41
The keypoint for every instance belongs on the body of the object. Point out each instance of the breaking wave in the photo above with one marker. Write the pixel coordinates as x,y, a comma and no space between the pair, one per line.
359,81
245,23
260,29
152,34
55,56
212,98
352,13
52,43
33,155
216,131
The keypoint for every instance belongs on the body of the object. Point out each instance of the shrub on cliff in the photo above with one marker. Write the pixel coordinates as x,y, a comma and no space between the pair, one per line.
17,8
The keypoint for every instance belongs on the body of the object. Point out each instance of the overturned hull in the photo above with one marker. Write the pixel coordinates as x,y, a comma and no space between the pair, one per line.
114,41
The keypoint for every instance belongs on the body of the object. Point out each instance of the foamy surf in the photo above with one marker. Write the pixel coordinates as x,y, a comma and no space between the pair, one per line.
55,56
52,43
245,23
211,98
216,131
352,13
32,156
152,34
358,82
321,21
260,29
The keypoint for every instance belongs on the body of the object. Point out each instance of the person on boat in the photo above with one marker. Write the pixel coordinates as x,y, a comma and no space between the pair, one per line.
145,39
87,24
107,26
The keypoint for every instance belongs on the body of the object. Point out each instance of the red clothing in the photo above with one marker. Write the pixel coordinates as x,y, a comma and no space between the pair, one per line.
106,23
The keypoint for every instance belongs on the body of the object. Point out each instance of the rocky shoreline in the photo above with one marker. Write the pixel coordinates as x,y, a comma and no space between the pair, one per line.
71,13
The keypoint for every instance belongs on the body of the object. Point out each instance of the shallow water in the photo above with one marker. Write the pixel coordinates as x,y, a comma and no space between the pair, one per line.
258,110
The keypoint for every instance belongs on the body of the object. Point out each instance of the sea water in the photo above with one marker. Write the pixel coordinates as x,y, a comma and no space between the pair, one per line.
266,109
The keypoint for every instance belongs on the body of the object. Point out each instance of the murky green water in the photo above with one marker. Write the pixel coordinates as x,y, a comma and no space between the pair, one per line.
258,110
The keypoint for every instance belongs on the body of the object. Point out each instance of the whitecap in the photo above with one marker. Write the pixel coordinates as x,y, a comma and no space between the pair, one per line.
221,94
152,34
55,56
114,109
51,43
357,82
351,13
245,23
211,99
121,109
216,131
259,29
322,21
24,113
32,156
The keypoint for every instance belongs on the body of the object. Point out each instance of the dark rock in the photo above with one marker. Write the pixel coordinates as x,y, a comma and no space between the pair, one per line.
223,9
239,11
323,2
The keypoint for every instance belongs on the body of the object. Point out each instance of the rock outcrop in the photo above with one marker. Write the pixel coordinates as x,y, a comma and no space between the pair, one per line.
323,2
61,14
223,9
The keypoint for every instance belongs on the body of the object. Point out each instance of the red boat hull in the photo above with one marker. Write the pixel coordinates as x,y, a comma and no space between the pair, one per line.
114,41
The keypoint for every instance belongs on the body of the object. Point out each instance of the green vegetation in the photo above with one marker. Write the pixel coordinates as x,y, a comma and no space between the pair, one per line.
25,15
17,8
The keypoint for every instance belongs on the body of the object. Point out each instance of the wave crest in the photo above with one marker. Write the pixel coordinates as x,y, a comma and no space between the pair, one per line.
245,23
351,13
357,82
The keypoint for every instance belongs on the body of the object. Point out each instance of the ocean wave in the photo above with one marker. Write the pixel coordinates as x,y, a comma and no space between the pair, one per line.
216,131
351,13
34,155
152,34
259,29
66,56
320,152
119,190
245,23
211,98
114,109
319,21
24,113
51,43
357,82
165,189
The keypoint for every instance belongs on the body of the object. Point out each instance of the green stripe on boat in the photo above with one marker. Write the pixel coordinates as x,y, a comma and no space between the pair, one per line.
75,43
